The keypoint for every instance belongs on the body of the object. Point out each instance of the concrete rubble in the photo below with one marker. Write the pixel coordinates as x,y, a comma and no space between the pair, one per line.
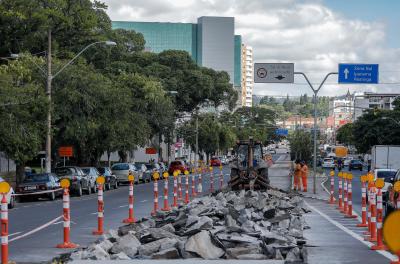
245,225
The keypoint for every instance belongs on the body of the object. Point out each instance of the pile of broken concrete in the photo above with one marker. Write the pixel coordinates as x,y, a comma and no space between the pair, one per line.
229,225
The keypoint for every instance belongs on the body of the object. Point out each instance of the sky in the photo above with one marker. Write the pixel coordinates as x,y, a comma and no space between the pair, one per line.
315,35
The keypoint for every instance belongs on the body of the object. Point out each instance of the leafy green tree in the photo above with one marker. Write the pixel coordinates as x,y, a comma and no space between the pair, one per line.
23,107
345,134
301,145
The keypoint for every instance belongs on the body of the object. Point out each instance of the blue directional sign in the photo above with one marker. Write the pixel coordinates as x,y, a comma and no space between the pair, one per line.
281,132
358,73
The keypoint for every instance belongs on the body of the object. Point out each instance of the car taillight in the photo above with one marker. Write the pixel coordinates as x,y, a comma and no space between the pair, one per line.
42,187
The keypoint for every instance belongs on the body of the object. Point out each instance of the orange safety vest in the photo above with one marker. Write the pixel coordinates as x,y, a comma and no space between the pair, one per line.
297,171
304,171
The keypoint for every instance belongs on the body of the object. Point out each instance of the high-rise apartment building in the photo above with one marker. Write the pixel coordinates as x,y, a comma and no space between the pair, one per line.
247,76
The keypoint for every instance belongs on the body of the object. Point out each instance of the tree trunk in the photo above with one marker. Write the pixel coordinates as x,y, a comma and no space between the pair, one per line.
20,172
108,158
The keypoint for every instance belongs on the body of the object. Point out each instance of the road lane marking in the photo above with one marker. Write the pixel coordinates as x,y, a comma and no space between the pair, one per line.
143,201
351,233
37,229
14,234
121,206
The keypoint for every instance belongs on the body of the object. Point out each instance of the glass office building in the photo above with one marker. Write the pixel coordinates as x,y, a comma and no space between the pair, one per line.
211,42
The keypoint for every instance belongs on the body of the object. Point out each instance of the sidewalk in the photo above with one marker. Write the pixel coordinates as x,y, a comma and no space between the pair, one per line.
332,238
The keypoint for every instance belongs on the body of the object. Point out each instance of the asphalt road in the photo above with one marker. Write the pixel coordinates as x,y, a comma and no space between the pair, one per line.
39,245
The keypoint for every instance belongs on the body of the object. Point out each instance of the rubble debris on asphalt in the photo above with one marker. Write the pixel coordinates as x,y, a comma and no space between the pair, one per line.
242,225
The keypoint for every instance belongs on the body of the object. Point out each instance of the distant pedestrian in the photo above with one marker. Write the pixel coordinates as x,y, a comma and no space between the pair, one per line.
340,164
297,175
304,175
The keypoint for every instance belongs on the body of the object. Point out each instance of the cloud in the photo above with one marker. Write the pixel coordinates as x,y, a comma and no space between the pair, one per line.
307,33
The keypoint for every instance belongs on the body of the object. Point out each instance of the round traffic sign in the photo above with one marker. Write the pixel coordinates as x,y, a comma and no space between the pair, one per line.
176,173
262,73
156,175
379,183
186,172
332,173
166,174
65,183
391,231
100,180
131,177
4,187
349,176
370,177
340,174
363,178
396,186
211,168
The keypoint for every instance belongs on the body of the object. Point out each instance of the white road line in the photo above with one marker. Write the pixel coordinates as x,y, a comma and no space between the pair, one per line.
57,223
351,233
94,213
121,206
36,229
143,201
14,234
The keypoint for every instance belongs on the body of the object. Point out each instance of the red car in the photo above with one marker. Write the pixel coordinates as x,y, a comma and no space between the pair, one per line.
215,162
177,165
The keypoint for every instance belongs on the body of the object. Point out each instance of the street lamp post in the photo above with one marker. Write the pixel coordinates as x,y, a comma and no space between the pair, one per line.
50,78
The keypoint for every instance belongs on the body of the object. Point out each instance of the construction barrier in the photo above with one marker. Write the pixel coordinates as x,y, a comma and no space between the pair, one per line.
350,197
370,180
200,184
340,192
175,201
156,176
187,199
211,180
344,210
180,196
166,205
379,183
363,202
373,235
194,183
332,199
131,218
65,183
100,206
4,189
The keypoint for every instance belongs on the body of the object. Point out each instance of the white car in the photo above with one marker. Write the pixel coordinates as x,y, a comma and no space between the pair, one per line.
10,196
347,161
387,175
328,163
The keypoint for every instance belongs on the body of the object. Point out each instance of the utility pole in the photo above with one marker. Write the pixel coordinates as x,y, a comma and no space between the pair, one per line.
197,138
48,92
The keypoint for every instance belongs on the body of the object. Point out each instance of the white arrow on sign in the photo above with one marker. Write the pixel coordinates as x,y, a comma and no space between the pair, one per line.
346,73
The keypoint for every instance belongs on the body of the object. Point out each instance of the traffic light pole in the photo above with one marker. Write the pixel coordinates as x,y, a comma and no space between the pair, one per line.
315,91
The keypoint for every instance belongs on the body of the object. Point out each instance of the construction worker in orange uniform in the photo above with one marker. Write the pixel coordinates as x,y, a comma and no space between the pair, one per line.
304,175
297,175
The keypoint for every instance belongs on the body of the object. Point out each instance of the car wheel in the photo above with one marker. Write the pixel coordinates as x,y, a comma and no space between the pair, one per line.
79,192
116,185
89,190
12,202
94,188
52,196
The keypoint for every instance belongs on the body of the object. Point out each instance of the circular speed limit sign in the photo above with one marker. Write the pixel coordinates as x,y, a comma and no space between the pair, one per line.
262,73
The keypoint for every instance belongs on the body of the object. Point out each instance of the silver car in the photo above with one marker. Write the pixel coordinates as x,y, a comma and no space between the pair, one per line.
121,171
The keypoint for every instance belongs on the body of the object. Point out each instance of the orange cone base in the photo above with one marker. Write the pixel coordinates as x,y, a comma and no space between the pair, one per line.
166,209
97,232
343,211
362,225
350,216
331,202
395,262
153,213
376,247
373,239
129,220
67,245
366,233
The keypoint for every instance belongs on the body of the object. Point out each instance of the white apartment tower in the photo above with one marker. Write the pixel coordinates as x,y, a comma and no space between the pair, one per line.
247,76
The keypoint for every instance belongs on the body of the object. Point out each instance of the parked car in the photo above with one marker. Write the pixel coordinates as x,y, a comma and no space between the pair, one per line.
121,171
92,174
79,180
347,161
111,179
391,196
10,198
36,183
272,151
328,163
144,172
163,167
176,165
355,164
215,162
153,167
224,160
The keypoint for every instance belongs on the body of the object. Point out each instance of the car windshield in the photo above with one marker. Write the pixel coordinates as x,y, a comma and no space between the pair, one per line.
150,166
101,170
65,171
328,160
123,166
36,178
86,170
355,161
386,174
